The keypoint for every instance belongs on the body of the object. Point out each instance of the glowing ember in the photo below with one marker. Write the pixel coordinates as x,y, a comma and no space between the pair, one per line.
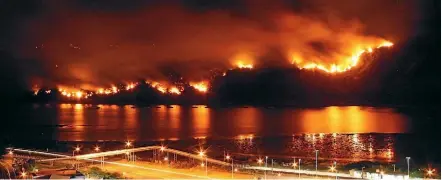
201,86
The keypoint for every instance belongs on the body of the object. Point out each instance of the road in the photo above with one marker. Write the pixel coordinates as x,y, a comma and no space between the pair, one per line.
161,171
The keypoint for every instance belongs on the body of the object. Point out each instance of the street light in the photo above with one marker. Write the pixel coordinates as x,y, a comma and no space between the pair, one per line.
408,166
76,149
162,148
97,148
259,161
430,172
128,144
299,163
265,170
316,151
23,174
228,157
201,153
333,169
10,153
363,172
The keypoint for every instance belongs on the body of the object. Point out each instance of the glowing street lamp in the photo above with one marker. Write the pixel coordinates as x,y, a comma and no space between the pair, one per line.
76,149
259,161
227,157
430,172
128,144
166,159
201,153
10,153
23,174
97,148
332,168
162,148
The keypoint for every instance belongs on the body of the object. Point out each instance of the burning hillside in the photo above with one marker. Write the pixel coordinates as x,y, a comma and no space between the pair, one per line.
176,88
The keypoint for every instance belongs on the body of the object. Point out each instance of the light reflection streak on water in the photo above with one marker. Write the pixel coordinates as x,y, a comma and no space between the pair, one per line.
352,147
201,121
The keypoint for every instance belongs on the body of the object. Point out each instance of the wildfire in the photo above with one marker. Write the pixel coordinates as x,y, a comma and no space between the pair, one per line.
78,94
243,61
203,86
161,88
242,65
174,90
200,86
130,86
339,68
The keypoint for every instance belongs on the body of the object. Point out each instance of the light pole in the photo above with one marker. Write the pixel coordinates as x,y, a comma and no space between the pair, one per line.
97,149
206,165
299,166
73,155
394,167
336,169
316,151
408,166
260,161
265,170
202,155
363,172
228,157
168,162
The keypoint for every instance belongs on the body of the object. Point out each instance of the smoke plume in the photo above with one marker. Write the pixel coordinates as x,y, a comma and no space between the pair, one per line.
98,43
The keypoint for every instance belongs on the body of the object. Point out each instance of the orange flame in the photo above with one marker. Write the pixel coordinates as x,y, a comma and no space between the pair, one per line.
174,90
200,86
339,68
241,65
130,86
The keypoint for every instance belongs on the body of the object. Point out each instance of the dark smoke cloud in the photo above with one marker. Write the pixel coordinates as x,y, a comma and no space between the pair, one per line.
102,42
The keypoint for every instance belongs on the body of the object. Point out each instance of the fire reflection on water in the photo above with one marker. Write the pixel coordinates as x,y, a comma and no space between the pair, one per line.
337,132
